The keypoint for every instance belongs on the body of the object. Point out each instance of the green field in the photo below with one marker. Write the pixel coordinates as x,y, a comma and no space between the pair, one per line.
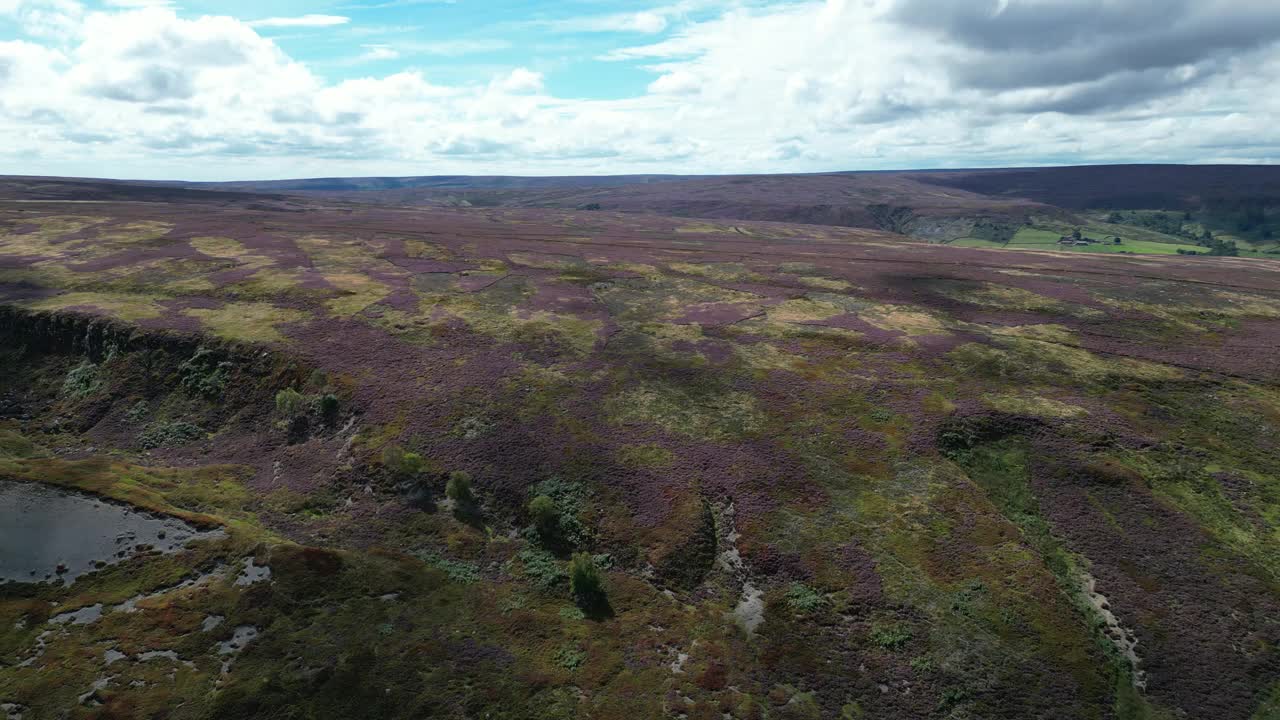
1040,238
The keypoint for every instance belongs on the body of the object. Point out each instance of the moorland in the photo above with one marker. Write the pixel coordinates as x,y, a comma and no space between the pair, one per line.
880,445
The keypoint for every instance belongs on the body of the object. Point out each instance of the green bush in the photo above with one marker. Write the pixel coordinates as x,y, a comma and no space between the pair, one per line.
328,405
458,488
402,464
890,635
138,412
585,580
165,433
570,658
541,568
568,499
290,403
803,599
457,570
203,374
83,380
545,514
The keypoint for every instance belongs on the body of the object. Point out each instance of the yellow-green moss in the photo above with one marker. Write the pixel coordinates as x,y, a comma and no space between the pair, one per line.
247,321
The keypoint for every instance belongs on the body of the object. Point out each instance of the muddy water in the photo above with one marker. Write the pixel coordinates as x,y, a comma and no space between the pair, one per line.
51,534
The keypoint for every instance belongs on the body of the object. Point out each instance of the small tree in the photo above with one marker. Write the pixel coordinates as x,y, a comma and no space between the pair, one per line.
585,579
545,514
458,488
328,405
401,463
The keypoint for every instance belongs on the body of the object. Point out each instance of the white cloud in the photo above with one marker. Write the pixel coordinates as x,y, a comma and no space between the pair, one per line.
138,3
374,53
648,22
55,20
843,84
678,82
521,80
302,21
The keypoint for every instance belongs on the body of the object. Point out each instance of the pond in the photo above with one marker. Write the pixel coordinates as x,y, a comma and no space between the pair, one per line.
52,534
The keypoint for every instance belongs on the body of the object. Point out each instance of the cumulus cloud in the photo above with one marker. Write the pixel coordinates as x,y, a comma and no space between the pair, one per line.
520,80
747,86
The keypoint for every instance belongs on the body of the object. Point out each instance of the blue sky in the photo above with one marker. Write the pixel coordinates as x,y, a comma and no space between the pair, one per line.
278,88
465,42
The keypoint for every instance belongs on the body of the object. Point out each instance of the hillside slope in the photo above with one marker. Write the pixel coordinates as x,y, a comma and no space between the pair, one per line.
820,472
988,204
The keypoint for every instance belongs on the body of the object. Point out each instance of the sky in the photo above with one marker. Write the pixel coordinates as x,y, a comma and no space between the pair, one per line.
265,89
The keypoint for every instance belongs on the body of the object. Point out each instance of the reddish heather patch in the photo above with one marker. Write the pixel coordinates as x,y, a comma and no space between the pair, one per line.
1189,610
712,314
18,292
563,298
232,276
1252,353
939,344
14,262
717,352
403,299
865,587
172,321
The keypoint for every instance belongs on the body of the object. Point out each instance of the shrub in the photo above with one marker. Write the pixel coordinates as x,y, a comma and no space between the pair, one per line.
545,514
457,570
402,464
328,405
803,599
585,580
166,433
541,568
889,636
570,658
83,380
458,488
202,374
567,500
138,412
290,403
471,428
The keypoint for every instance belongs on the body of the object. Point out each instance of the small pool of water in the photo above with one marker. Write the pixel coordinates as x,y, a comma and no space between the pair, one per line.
52,534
